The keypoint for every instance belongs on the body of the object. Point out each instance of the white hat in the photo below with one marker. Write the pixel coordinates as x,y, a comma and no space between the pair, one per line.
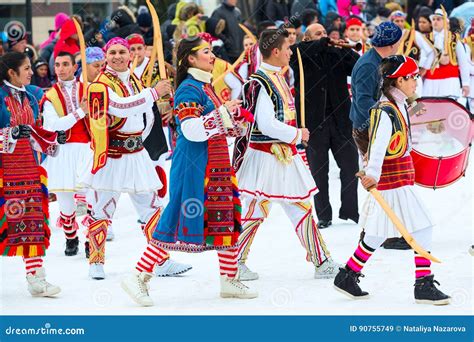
438,13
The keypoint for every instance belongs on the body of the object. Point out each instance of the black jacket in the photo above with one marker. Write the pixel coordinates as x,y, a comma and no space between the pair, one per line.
232,34
326,95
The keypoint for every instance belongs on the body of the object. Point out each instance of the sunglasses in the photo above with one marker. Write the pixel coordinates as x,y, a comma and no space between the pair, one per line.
415,77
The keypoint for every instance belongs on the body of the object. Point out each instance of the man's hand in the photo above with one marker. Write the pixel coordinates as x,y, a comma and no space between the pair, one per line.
304,134
163,88
84,106
232,105
444,59
465,91
21,131
422,72
61,138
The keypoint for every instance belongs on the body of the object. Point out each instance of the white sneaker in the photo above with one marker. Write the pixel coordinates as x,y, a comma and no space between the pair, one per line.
110,233
245,274
137,285
327,270
96,271
232,288
171,268
39,287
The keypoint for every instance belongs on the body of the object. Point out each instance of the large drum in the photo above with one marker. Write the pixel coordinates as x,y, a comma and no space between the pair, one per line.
441,136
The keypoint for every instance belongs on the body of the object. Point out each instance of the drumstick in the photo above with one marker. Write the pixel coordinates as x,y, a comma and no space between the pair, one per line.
427,122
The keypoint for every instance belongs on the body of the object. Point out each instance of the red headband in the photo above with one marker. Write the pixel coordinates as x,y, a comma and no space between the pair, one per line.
135,38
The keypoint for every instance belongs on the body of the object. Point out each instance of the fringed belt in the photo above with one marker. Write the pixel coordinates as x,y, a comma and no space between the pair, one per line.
283,152
124,143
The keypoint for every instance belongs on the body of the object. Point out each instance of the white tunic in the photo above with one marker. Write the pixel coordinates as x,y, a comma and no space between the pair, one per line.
403,200
261,175
134,172
448,86
73,158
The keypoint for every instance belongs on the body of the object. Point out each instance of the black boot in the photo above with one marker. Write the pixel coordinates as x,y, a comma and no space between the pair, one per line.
324,224
72,246
427,293
346,282
396,243
86,249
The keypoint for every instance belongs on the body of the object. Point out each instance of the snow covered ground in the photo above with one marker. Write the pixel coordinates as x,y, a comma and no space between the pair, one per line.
286,283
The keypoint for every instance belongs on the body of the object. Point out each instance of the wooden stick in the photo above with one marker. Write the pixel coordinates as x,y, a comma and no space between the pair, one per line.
398,224
82,45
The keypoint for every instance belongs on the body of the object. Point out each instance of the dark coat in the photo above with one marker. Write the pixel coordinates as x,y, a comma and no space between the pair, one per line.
326,95
232,34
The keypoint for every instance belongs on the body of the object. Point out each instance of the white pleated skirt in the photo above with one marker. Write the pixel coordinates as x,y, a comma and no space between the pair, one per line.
67,167
406,205
132,173
444,87
262,176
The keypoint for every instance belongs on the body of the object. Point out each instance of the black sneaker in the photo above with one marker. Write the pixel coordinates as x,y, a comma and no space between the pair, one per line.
324,224
396,243
72,246
427,293
86,249
346,282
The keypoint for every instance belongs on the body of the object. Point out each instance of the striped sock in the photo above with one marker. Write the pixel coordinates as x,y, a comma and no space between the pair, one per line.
152,256
422,266
228,262
360,257
68,224
32,264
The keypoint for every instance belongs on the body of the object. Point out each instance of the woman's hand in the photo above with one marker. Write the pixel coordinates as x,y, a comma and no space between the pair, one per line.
232,105
163,88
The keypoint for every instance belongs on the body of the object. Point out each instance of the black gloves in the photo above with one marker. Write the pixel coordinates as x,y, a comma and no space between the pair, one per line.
61,139
21,131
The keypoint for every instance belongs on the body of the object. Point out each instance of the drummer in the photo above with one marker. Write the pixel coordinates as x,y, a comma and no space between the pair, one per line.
390,169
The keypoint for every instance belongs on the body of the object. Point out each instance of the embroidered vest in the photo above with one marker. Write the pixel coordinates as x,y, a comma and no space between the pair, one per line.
79,132
114,82
408,46
397,170
251,90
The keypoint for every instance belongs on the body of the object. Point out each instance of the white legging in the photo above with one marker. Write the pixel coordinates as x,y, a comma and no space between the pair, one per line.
424,237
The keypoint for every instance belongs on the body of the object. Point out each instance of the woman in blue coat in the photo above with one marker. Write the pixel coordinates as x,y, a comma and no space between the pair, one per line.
204,208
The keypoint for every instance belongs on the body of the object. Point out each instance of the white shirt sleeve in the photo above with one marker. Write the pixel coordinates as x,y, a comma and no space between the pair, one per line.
7,143
201,128
52,121
269,125
124,107
234,84
427,53
463,62
244,71
378,148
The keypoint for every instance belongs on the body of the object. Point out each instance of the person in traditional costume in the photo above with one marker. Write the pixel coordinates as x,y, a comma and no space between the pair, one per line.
24,213
204,208
390,169
354,34
157,145
451,63
120,119
414,45
64,108
469,44
270,170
